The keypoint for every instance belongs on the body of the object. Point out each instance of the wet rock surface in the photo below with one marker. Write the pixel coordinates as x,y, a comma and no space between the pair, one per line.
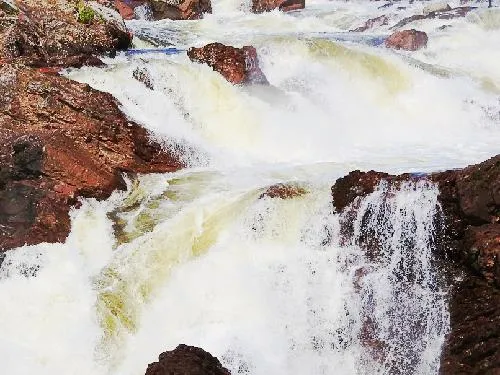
62,140
46,34
469,245
237,65
372,22
409,40
186,360
284,191
260,6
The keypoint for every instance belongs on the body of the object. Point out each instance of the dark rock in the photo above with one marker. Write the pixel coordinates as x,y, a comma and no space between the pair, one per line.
180,9
409,40
237,65
186,360
50,35
284,191
373,22
62,140
260,6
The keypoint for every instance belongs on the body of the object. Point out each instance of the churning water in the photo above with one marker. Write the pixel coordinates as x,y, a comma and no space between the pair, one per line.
266,285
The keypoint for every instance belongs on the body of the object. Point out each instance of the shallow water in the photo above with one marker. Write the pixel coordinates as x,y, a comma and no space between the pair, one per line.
266,285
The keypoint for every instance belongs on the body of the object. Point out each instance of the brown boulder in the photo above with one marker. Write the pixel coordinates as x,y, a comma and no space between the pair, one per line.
237,65
180,9
62,140
409,40
126,7
186,360
47,34
260,6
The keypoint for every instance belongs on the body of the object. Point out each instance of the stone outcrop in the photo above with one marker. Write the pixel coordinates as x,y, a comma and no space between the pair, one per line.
468,245
186,360
441,14
237,65
260,6
46,34
162,9
62,140
372,22
409,40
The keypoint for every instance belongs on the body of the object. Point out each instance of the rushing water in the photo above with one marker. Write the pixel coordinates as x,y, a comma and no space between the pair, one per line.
267,285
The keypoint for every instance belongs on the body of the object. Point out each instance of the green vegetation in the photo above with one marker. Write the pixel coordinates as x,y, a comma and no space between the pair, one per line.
85,13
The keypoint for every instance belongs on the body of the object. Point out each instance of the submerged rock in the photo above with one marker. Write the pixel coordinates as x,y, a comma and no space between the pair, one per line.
186,360
47,34
62,140
260,6
468,244
409,40
444,14
237,65
372,22
284,191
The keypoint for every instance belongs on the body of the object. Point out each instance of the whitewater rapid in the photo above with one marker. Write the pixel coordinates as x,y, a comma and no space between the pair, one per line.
266,285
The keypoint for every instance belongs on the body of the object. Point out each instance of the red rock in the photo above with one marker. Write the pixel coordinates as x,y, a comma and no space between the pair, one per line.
409,40
237,65
62,140
260,6
373,22
50,36
186,360
126,7
283,191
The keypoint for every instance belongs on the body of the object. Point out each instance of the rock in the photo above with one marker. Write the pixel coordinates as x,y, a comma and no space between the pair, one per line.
468,244
409,40
283,191
50,35
180,9
436,7
237,65
126,8
260,6
371,23
62,140
186,360
444,15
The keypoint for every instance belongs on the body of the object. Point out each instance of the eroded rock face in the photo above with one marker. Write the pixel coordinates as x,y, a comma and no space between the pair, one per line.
469,245
45,34
237,65
62,140
186,360
409,40
260,6
443,14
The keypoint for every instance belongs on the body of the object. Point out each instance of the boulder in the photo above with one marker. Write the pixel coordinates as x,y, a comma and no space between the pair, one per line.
409,40
436,7
55,35
127,7
237,65
260,6
186,360
62,140
372,22
468,247
180,9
